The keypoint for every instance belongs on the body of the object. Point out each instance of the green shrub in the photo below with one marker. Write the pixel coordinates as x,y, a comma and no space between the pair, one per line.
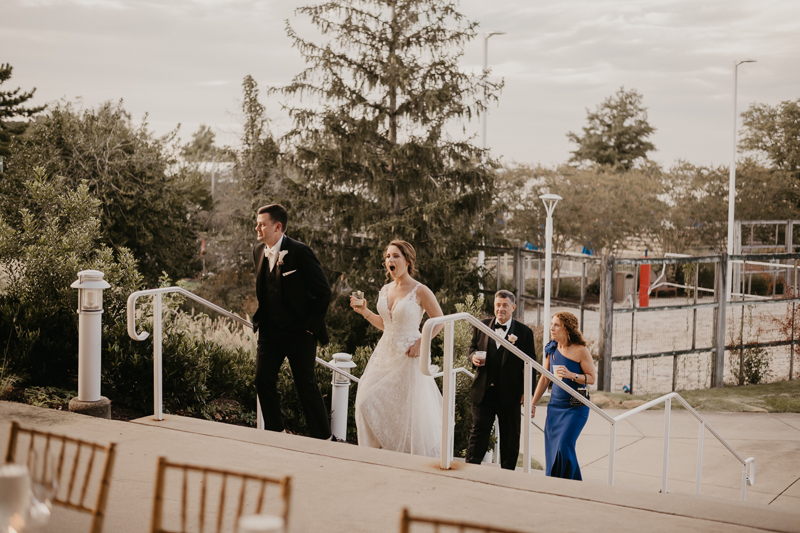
57,236
755,365
202,360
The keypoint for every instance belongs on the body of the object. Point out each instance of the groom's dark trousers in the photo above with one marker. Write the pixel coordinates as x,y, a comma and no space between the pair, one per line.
292,302
497,391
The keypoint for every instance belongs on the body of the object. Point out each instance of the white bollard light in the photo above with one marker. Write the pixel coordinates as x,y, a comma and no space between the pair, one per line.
90,287
340,396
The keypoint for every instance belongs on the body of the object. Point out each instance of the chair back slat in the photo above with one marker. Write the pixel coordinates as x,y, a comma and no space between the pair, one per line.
75,462
43,444
221,511
203,502
185,491
261,492
86,478
240,507
215,484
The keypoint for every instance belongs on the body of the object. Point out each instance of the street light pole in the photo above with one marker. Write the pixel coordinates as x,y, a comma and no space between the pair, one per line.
550,201
485,70
481,253
732,182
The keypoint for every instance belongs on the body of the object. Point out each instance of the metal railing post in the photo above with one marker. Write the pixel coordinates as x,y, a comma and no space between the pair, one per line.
447,389
665,468
340,395
259,414
158,395
744,482
526,393
612,452
700,435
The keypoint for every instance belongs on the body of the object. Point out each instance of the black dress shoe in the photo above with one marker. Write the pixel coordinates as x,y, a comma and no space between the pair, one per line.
332,438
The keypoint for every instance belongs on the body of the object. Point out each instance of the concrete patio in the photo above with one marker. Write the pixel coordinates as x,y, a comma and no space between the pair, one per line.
344,488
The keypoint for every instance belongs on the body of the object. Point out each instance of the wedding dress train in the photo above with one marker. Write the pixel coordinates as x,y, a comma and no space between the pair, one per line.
397,408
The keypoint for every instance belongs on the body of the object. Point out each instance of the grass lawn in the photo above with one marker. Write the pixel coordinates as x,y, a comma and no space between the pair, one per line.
780,397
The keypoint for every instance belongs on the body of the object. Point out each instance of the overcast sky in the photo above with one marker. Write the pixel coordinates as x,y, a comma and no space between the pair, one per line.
182,61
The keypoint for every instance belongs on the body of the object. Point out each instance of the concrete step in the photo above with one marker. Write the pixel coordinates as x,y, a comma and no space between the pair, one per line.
341,487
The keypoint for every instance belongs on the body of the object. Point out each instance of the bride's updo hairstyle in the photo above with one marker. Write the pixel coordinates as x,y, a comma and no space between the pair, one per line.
408,253
570,322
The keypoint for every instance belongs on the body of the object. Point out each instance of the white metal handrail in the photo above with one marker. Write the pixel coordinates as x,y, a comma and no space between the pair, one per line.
158,332
448,416
157,338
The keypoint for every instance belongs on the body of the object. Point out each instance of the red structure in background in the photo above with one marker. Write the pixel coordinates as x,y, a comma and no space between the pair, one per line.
644,285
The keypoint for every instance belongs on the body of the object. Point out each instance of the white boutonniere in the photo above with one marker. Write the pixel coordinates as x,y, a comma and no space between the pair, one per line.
512,338
281,255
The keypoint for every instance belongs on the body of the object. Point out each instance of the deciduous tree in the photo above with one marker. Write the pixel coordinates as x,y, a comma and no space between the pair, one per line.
774,132
148,203
616,133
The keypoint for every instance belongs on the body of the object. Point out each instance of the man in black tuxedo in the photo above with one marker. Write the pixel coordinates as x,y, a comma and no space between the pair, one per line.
293,297
499,383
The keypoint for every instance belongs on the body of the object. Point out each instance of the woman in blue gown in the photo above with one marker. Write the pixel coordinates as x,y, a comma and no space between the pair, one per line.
572,362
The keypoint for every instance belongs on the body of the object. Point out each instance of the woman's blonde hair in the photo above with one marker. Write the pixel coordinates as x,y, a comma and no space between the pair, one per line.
409,254
570,322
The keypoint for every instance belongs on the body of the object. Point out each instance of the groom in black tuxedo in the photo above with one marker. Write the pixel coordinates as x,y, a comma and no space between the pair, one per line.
499,383
293,297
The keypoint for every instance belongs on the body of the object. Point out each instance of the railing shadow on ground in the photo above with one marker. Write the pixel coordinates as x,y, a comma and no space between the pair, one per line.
448,375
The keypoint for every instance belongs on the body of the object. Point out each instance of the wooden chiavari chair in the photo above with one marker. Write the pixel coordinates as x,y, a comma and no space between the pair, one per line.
205,472
442,526
73,470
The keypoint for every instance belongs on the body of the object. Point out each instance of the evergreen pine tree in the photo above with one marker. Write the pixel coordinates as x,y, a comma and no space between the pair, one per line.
11,107
370,156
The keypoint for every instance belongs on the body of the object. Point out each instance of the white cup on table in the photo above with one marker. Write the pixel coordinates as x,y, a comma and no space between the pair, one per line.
260,523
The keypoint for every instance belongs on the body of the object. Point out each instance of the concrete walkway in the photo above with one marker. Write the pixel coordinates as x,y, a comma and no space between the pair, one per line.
773,439
344,488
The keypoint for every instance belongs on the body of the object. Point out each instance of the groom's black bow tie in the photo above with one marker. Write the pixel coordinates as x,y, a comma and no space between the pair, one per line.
501,326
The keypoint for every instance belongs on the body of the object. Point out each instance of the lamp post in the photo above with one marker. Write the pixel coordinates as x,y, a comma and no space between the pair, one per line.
550,201
90,287
481,253
732,183
486,37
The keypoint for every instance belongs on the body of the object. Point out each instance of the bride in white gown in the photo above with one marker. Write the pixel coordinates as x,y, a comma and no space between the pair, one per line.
397,408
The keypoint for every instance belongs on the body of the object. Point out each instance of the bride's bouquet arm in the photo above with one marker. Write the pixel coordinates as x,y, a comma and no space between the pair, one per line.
428,302
362,310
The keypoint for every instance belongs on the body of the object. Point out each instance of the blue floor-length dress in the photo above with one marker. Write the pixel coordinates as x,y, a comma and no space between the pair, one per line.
564,424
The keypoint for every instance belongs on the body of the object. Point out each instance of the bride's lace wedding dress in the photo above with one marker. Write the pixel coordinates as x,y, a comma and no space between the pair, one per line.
397,408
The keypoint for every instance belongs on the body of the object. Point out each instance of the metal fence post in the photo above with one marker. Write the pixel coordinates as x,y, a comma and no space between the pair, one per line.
519,279
718,366
606,321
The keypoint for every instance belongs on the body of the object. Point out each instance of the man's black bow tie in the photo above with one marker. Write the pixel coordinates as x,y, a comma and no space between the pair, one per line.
500,326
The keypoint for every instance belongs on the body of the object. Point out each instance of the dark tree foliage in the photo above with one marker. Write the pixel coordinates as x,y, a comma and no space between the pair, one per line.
616,133
775,133
10,108
56,235
368,157
148,204
202,147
